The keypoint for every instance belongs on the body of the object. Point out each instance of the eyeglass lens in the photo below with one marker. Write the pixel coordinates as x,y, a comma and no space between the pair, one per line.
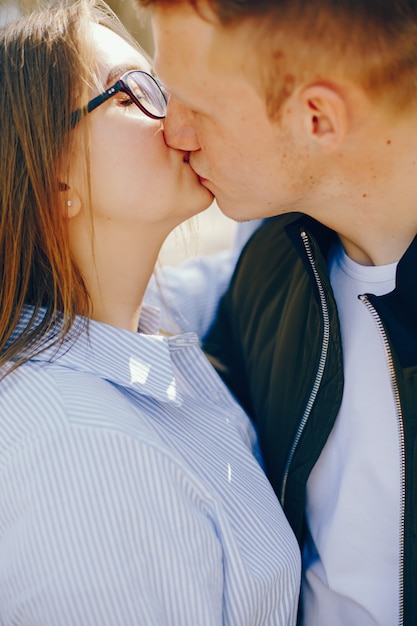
147,91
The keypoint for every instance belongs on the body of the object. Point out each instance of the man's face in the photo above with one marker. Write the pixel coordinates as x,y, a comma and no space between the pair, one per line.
217,111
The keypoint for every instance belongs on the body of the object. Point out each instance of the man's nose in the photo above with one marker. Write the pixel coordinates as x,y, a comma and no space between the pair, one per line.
179,127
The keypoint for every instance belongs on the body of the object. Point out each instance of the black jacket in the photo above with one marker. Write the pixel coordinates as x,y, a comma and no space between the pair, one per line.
277,335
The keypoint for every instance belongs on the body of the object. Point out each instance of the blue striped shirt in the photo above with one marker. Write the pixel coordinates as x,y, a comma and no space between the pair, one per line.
130,495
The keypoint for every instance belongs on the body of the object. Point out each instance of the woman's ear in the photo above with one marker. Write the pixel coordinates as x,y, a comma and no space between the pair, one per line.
325,115
71,201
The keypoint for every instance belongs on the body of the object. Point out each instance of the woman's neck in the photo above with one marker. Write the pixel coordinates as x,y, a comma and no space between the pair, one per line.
118,271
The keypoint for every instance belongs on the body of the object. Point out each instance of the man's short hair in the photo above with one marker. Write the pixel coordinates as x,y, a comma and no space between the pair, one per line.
371,42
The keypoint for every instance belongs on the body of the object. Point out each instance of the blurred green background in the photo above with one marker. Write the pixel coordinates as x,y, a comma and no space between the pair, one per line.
135,20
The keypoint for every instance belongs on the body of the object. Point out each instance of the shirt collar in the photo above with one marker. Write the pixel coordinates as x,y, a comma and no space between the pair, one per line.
137,361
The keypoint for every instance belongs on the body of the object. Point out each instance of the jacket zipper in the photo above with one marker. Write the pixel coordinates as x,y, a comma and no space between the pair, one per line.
396,392
320,369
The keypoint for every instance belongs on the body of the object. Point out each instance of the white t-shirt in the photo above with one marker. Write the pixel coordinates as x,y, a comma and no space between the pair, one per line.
351,559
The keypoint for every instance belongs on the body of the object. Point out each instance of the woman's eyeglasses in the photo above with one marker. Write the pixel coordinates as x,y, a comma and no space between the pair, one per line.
144,90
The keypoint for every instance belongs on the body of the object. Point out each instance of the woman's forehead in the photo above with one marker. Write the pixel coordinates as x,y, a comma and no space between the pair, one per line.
114,51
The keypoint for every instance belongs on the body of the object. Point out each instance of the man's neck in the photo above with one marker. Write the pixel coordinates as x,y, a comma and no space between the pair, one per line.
378,251
371,200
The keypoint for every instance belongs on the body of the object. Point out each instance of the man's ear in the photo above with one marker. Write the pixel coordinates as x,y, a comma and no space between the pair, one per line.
71,201
325,115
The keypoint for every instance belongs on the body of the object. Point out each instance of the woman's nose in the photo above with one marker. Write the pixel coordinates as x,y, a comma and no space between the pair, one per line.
179,127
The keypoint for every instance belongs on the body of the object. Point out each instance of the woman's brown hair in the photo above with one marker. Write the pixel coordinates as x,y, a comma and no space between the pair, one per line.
46,70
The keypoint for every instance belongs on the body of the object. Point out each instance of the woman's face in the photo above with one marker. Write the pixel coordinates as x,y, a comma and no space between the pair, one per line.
135,178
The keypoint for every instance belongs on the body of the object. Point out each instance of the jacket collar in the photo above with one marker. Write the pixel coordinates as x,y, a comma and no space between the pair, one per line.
398,309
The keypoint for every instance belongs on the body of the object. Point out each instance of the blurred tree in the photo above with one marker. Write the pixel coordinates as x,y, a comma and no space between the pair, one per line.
134,19
8,11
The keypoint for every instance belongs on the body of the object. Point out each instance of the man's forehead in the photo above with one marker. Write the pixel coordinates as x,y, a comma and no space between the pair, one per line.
184,38
180,34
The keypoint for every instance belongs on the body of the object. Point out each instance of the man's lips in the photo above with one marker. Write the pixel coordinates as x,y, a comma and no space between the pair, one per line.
186,159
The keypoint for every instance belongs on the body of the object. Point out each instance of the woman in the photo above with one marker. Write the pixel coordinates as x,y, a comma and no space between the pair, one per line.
129,490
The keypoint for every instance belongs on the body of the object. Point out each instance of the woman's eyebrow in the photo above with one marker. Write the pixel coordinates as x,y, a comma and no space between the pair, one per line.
116,72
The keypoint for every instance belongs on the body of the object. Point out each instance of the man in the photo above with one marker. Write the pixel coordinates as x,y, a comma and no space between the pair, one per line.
309,108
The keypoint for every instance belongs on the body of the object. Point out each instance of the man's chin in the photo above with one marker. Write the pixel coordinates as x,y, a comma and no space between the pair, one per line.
232,208
239,211
235,208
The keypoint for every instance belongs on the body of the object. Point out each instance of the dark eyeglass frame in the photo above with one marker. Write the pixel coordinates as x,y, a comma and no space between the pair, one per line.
121,85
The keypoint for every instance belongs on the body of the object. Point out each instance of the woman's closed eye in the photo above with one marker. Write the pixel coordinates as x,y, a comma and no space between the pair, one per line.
125,100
